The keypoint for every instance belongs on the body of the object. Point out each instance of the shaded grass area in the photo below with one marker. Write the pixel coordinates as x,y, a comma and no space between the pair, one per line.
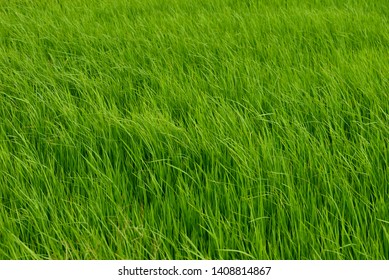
194,129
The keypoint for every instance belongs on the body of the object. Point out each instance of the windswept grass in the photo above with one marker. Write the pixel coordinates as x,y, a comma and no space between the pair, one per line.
194,129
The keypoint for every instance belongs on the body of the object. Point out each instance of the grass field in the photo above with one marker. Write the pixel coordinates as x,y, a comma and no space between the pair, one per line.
194,129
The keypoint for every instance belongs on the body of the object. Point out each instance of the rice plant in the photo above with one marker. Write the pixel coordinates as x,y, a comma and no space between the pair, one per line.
194,129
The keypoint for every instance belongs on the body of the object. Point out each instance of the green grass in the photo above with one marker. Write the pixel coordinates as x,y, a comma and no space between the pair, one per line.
194,129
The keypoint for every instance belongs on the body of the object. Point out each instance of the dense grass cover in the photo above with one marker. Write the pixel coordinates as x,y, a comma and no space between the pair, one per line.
194,129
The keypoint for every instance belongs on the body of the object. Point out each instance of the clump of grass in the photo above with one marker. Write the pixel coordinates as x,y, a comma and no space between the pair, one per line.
194,129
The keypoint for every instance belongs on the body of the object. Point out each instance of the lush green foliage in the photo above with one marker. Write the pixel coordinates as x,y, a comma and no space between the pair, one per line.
194,129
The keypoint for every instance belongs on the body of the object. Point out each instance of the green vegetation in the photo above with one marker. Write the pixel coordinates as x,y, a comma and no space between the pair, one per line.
194,129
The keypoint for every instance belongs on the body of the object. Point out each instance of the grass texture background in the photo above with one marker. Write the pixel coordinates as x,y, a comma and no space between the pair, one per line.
194,129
